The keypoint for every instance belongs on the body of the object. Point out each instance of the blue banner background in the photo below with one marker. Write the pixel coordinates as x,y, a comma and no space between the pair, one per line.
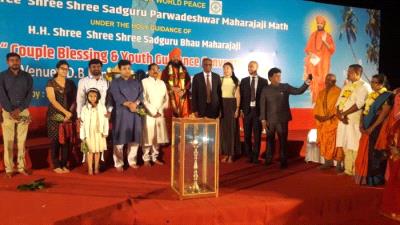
270,47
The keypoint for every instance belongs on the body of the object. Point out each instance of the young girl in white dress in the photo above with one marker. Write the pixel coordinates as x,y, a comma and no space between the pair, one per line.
94,128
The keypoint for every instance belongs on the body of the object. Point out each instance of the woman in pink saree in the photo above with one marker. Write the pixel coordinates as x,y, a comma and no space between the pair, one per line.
389,138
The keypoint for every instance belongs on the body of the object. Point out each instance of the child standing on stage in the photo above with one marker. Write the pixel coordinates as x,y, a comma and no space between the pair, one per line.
94,128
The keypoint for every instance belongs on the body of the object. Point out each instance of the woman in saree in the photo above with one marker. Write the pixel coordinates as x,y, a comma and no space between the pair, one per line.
389,138
371,162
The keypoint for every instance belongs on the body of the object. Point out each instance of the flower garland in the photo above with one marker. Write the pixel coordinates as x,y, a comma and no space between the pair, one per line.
347,91
371,99
176,81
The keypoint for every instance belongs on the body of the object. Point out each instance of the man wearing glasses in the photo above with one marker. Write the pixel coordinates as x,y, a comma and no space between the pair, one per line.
206,92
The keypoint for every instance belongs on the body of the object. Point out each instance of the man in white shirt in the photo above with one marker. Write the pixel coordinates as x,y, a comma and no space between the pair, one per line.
93,80
155,99
349,106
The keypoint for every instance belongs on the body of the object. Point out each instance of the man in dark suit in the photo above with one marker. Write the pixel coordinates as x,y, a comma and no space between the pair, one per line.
275,112
250,92
206,92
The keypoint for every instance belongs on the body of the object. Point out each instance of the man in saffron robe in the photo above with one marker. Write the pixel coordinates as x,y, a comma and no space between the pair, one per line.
319,49
178,84
327,122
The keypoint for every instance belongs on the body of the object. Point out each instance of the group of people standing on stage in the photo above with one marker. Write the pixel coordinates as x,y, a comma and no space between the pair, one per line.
84,112
262,106
140,110
358,127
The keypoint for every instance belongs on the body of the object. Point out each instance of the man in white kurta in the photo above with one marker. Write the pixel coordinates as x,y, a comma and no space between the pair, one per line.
93,80
155,101
350,104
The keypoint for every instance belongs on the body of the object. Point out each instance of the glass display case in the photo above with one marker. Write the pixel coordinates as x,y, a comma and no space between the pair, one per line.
194,157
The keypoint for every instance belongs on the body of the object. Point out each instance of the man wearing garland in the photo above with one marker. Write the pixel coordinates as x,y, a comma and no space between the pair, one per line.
178,84
349,108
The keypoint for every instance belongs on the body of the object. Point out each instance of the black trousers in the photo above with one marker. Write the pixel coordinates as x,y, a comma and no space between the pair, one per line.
212,111
282,130
252,126
376,160
59,154
229,129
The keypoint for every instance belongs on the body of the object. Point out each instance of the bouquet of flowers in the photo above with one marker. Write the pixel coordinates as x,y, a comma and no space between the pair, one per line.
25,119
58,117
84,147
35,185
141,110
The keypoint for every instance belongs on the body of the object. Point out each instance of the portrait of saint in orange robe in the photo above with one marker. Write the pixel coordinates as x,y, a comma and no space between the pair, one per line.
319,49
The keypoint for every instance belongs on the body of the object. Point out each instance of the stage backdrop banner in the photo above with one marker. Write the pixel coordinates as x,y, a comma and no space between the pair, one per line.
273,33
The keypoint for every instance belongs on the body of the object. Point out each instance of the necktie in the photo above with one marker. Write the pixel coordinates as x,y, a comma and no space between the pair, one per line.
253,89
208,88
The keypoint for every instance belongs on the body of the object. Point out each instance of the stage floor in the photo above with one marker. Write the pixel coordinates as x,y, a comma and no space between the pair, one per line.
249,194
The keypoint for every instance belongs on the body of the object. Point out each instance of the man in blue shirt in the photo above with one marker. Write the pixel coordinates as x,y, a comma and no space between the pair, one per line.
16,88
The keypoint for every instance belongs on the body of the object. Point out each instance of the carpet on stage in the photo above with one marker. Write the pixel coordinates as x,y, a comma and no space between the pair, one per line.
249,194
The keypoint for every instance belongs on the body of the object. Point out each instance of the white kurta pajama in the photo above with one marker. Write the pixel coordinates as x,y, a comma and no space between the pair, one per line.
348,135
155,99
